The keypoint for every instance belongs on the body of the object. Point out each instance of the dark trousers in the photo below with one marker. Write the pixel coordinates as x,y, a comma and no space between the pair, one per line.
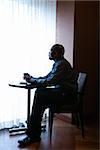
44,98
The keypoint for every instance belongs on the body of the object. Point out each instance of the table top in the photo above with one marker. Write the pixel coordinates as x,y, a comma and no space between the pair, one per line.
24,85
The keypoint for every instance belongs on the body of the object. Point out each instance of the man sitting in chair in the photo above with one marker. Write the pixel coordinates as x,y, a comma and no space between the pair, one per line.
63,77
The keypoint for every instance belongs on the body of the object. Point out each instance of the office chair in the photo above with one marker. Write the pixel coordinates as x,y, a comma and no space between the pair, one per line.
76,109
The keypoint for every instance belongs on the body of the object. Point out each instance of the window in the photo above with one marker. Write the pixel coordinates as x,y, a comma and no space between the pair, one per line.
27,31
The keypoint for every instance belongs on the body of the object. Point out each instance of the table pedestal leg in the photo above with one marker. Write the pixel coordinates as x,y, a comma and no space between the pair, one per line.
28,104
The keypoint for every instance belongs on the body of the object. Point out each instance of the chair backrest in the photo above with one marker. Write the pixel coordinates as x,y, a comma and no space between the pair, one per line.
81,86
81,81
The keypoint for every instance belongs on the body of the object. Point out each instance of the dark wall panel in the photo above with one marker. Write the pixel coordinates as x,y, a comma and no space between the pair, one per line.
86,45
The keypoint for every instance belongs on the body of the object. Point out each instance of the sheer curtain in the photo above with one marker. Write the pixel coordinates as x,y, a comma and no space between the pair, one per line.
27,31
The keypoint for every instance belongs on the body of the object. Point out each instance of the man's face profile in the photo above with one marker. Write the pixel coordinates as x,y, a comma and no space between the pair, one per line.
52,54
56,52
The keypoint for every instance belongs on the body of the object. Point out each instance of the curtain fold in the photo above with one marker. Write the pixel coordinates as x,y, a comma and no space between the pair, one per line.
27,31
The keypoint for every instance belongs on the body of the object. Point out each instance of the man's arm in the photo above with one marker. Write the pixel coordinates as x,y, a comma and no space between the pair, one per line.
51,79
54,76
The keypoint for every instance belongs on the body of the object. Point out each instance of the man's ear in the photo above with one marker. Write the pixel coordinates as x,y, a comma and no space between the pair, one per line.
56,54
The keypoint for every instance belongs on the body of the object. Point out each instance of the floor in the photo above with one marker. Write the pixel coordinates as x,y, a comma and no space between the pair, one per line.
65,136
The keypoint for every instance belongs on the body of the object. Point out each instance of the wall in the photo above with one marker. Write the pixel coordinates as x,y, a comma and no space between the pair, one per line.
86,50
65,27
78,22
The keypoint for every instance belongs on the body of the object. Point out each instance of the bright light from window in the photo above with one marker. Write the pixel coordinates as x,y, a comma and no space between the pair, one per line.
26,36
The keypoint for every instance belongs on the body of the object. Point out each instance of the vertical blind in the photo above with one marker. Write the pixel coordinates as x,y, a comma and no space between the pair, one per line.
27,32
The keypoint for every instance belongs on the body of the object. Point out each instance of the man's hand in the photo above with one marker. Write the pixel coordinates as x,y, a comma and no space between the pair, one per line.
27,77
